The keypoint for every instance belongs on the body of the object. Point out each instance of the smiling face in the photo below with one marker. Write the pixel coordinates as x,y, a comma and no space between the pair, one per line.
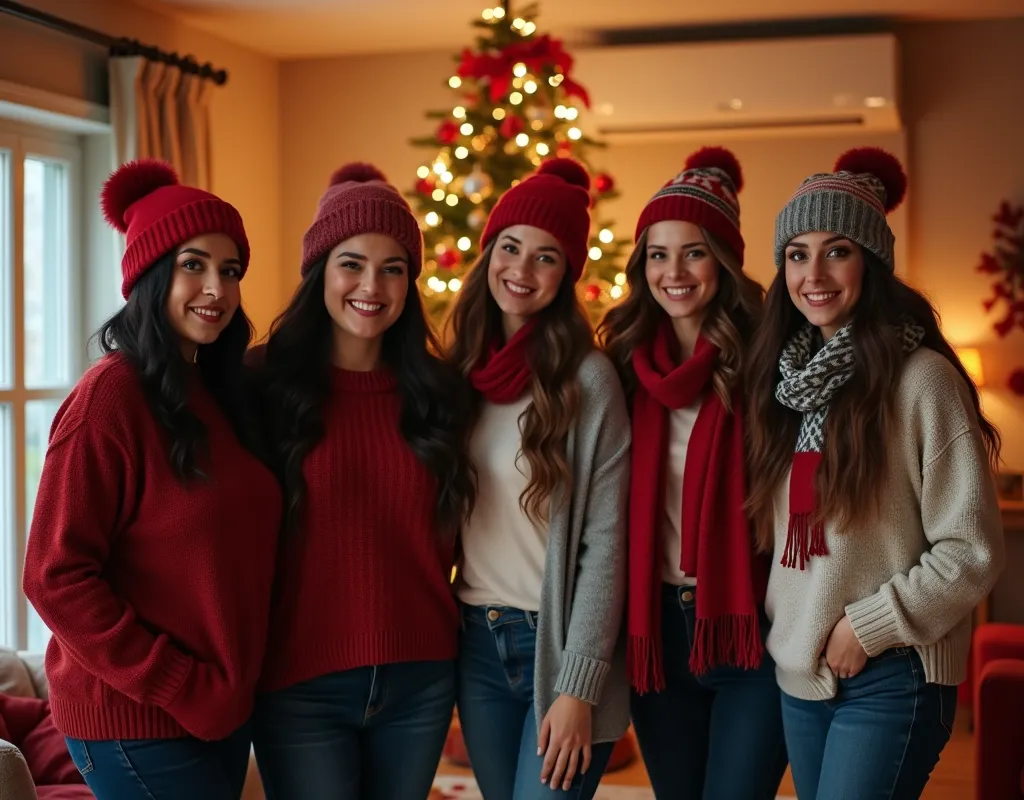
204,293
366,281
526,270
681,270
824,276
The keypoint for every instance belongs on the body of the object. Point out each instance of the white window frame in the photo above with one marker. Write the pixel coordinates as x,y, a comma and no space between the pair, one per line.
23,140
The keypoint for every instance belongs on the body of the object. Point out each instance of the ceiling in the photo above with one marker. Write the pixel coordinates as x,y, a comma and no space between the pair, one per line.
309,28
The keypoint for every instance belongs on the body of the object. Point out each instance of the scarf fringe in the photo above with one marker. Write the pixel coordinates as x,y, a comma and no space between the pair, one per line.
734,640
803,541
643,659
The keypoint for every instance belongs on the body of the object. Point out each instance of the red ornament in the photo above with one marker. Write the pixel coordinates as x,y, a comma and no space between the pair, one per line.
449,259
1006,264
592,292
604,183
447,132
424,186
1016,382
564,149
512,126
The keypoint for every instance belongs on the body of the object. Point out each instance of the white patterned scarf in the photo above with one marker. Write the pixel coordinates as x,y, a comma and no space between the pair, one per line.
809,382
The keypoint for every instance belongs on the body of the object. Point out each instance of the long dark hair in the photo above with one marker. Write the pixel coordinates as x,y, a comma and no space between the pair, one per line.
141,332
731,319
861,417
561,341
295,384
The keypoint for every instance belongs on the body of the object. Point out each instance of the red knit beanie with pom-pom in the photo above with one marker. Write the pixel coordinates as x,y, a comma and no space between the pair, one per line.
556,199
704,193
144,201
852,201
360,200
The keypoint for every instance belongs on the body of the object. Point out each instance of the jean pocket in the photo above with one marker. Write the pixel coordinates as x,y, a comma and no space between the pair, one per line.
79,752
947,707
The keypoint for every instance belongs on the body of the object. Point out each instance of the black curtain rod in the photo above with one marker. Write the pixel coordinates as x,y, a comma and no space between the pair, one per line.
117,46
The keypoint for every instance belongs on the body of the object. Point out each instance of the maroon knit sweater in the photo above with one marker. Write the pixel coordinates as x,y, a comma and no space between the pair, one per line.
157,594
366,578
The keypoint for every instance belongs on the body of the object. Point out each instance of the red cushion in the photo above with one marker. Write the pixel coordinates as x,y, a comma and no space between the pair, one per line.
25,722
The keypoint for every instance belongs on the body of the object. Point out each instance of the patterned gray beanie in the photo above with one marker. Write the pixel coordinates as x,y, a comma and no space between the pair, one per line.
852,201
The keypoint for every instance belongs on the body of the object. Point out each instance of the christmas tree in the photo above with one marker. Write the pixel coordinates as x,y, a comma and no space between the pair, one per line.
516,104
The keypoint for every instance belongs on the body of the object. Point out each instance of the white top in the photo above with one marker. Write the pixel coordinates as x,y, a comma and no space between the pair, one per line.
680,423
503,552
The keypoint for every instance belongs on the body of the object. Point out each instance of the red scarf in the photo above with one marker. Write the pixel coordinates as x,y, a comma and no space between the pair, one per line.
504,374
717,545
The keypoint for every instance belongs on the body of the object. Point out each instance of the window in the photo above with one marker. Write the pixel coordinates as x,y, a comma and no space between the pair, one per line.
42,346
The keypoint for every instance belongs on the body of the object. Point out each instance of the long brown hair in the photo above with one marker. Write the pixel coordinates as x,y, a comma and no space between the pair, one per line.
861,416
558,345
732,316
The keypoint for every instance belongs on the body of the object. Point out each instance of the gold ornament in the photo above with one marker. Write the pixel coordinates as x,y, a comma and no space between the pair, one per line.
478,182
476,219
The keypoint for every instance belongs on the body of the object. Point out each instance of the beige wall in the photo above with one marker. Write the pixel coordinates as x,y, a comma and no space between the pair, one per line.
246,142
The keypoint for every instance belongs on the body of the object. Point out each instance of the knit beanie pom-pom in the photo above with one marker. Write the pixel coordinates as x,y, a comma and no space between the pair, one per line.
129,184
717,158
357,172
882,165
568,170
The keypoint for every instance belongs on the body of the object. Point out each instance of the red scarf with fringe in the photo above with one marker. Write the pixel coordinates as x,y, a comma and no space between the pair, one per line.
504,374
717,545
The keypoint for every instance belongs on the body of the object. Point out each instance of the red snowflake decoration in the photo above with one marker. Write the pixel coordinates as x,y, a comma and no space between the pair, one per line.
1006,261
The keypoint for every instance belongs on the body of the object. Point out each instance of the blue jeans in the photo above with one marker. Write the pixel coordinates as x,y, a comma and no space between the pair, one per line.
372,733
496,711
164,769
714,736
880,737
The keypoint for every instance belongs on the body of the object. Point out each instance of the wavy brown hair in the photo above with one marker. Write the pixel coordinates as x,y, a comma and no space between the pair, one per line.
731,319
861,416
562,339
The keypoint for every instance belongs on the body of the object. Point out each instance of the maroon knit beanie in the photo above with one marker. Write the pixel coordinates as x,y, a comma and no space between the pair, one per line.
144,200
359,200
704,193
556,199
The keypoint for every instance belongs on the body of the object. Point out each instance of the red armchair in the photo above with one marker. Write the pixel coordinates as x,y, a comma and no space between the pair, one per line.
998,672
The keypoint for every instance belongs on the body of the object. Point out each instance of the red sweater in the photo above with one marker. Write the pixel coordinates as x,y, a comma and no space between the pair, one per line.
157,595
365,580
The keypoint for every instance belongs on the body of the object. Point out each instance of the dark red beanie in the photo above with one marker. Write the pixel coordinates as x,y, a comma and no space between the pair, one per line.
358,200
144,200
556,199
704,193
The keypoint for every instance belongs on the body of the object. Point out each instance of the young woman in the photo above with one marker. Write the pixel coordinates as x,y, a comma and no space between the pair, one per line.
542,689
151,554
367,426
704,697
870,472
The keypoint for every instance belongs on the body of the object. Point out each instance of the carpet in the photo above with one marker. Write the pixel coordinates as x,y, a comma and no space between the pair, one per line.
459,788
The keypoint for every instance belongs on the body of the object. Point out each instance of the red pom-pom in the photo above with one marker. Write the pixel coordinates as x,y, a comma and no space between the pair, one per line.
883,165
568,170
130,183
357,172
719,158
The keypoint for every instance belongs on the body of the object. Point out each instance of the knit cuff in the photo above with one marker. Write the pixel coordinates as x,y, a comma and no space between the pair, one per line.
170,676
582,677
875,623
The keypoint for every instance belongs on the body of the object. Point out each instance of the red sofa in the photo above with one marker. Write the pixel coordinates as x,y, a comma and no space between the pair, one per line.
998,672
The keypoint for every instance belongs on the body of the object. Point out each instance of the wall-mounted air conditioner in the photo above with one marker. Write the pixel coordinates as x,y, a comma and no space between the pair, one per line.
800,86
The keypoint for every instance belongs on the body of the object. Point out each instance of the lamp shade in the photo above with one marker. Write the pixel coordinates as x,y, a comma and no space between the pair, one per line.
971,359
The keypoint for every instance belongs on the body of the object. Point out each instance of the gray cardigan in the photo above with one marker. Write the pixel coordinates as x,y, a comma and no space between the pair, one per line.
580,646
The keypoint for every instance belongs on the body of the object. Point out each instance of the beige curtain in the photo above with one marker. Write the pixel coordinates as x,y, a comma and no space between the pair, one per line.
158,111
